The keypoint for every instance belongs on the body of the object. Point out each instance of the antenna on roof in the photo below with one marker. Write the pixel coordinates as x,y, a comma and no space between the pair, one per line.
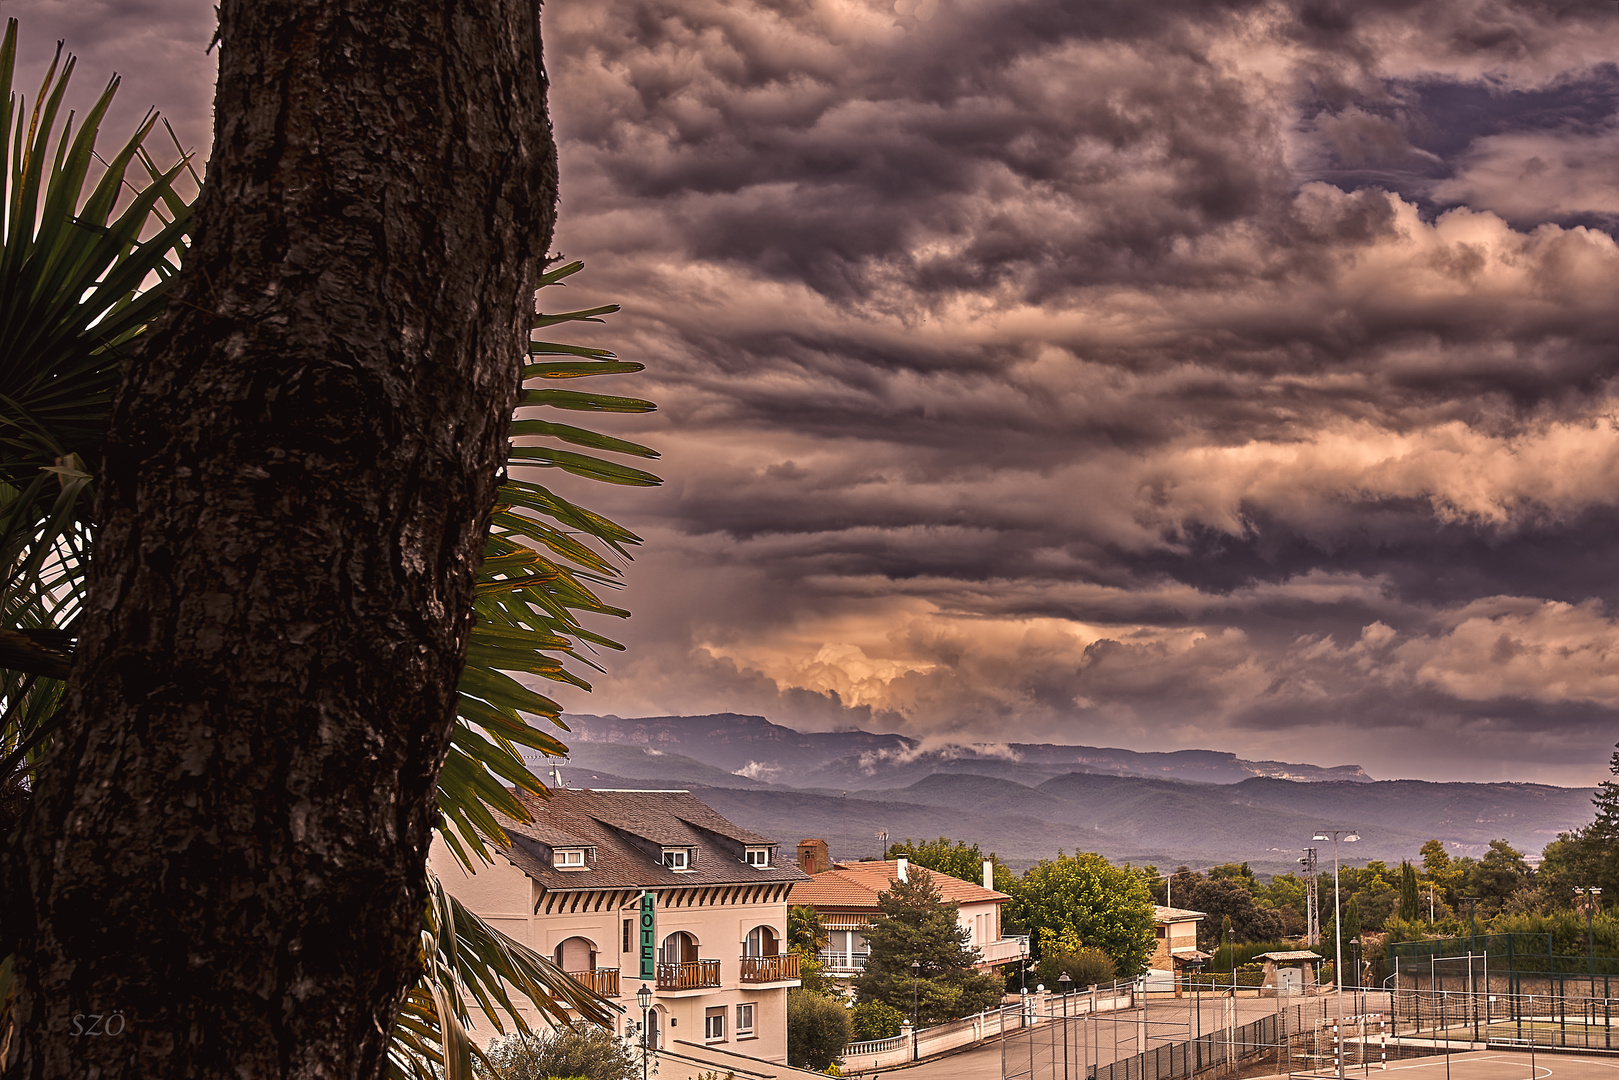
556,772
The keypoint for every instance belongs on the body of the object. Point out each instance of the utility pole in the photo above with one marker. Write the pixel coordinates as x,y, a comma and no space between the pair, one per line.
1312,918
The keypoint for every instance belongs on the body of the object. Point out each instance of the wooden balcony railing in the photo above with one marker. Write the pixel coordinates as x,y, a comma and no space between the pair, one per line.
763,969
694,975
603,981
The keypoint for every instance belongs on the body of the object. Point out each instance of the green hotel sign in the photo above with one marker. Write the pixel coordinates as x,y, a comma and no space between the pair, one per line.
649,936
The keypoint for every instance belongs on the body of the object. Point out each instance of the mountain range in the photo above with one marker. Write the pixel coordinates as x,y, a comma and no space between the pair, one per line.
1025,801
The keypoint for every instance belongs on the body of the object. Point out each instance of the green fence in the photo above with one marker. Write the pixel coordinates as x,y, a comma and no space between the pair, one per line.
1512,964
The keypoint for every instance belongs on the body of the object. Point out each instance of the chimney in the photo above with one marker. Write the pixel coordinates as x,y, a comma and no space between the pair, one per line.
904,864
814,857
989,875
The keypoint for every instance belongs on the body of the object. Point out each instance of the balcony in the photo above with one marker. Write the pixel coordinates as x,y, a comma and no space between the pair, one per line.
769,969
693,975
839,960
602,981
1004,951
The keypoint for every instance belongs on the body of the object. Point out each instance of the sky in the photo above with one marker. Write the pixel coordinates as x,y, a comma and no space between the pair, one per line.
1227,375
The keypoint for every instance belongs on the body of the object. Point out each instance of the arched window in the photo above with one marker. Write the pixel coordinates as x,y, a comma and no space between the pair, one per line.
678,948
576,954
761,941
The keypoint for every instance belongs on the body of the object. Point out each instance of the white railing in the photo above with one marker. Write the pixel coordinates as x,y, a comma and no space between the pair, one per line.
876,1046
1004,951
844,960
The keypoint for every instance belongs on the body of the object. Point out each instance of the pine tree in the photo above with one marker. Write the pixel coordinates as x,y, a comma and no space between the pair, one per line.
1606,800
919,927
1410,901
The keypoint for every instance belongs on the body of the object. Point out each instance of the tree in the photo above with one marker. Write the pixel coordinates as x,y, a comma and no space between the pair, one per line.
1107,907
264,669
1605,826
1498,875
587,1051
918,926
955,858
818,1029
805,929
875,1020
1588,856
1441,870
1410,899
1229,898
1062,953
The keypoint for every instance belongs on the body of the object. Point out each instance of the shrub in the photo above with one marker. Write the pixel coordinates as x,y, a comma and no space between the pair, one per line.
581,1050
875,1020
818,1029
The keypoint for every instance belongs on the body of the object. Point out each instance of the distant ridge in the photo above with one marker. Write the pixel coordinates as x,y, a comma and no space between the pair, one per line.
753,747
1026,801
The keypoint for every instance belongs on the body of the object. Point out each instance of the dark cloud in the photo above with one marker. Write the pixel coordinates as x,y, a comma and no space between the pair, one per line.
1116,372
1223,374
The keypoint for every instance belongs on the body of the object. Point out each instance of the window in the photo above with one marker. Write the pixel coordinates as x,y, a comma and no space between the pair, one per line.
744,1021
761,941
675,858
758,856
570,857
714,1024
627,924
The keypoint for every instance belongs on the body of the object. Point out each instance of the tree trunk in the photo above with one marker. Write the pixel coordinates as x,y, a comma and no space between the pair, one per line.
225,856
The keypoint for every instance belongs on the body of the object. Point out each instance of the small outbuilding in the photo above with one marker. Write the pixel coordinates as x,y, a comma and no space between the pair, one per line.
1291,972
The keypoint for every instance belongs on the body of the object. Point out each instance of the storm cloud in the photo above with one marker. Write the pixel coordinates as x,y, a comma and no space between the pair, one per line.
1237,375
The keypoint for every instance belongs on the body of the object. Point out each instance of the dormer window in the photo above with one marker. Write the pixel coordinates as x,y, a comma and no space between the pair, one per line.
758,856
677,858
565,858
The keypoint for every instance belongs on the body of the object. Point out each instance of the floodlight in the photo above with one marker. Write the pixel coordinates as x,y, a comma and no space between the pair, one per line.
1352,838
1319,837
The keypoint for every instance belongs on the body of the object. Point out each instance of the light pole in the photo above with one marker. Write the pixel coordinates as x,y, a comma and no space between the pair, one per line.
643,998
916,970
1354,952
1063,981
1348,836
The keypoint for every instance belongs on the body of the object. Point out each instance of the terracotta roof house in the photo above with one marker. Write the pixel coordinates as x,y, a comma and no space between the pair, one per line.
845,896
569,886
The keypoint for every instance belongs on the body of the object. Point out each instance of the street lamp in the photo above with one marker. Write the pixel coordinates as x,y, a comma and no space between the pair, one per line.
643,998
1063,980
1348,836
916,970
1354,951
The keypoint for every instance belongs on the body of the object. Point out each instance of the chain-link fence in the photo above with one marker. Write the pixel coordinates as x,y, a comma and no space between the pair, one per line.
1501,964
1312,1037
1164,1042
1557,1019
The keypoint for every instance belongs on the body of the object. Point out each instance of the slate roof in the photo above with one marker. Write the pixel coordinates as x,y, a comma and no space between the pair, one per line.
627,829
857,885
1163,914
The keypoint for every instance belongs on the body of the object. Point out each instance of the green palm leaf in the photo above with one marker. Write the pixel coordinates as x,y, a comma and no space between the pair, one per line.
541,575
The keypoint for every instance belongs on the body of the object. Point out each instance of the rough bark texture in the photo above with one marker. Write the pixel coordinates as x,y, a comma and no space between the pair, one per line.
227,847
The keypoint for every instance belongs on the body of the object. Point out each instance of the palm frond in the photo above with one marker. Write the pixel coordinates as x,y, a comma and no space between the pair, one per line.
547,562
466,958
